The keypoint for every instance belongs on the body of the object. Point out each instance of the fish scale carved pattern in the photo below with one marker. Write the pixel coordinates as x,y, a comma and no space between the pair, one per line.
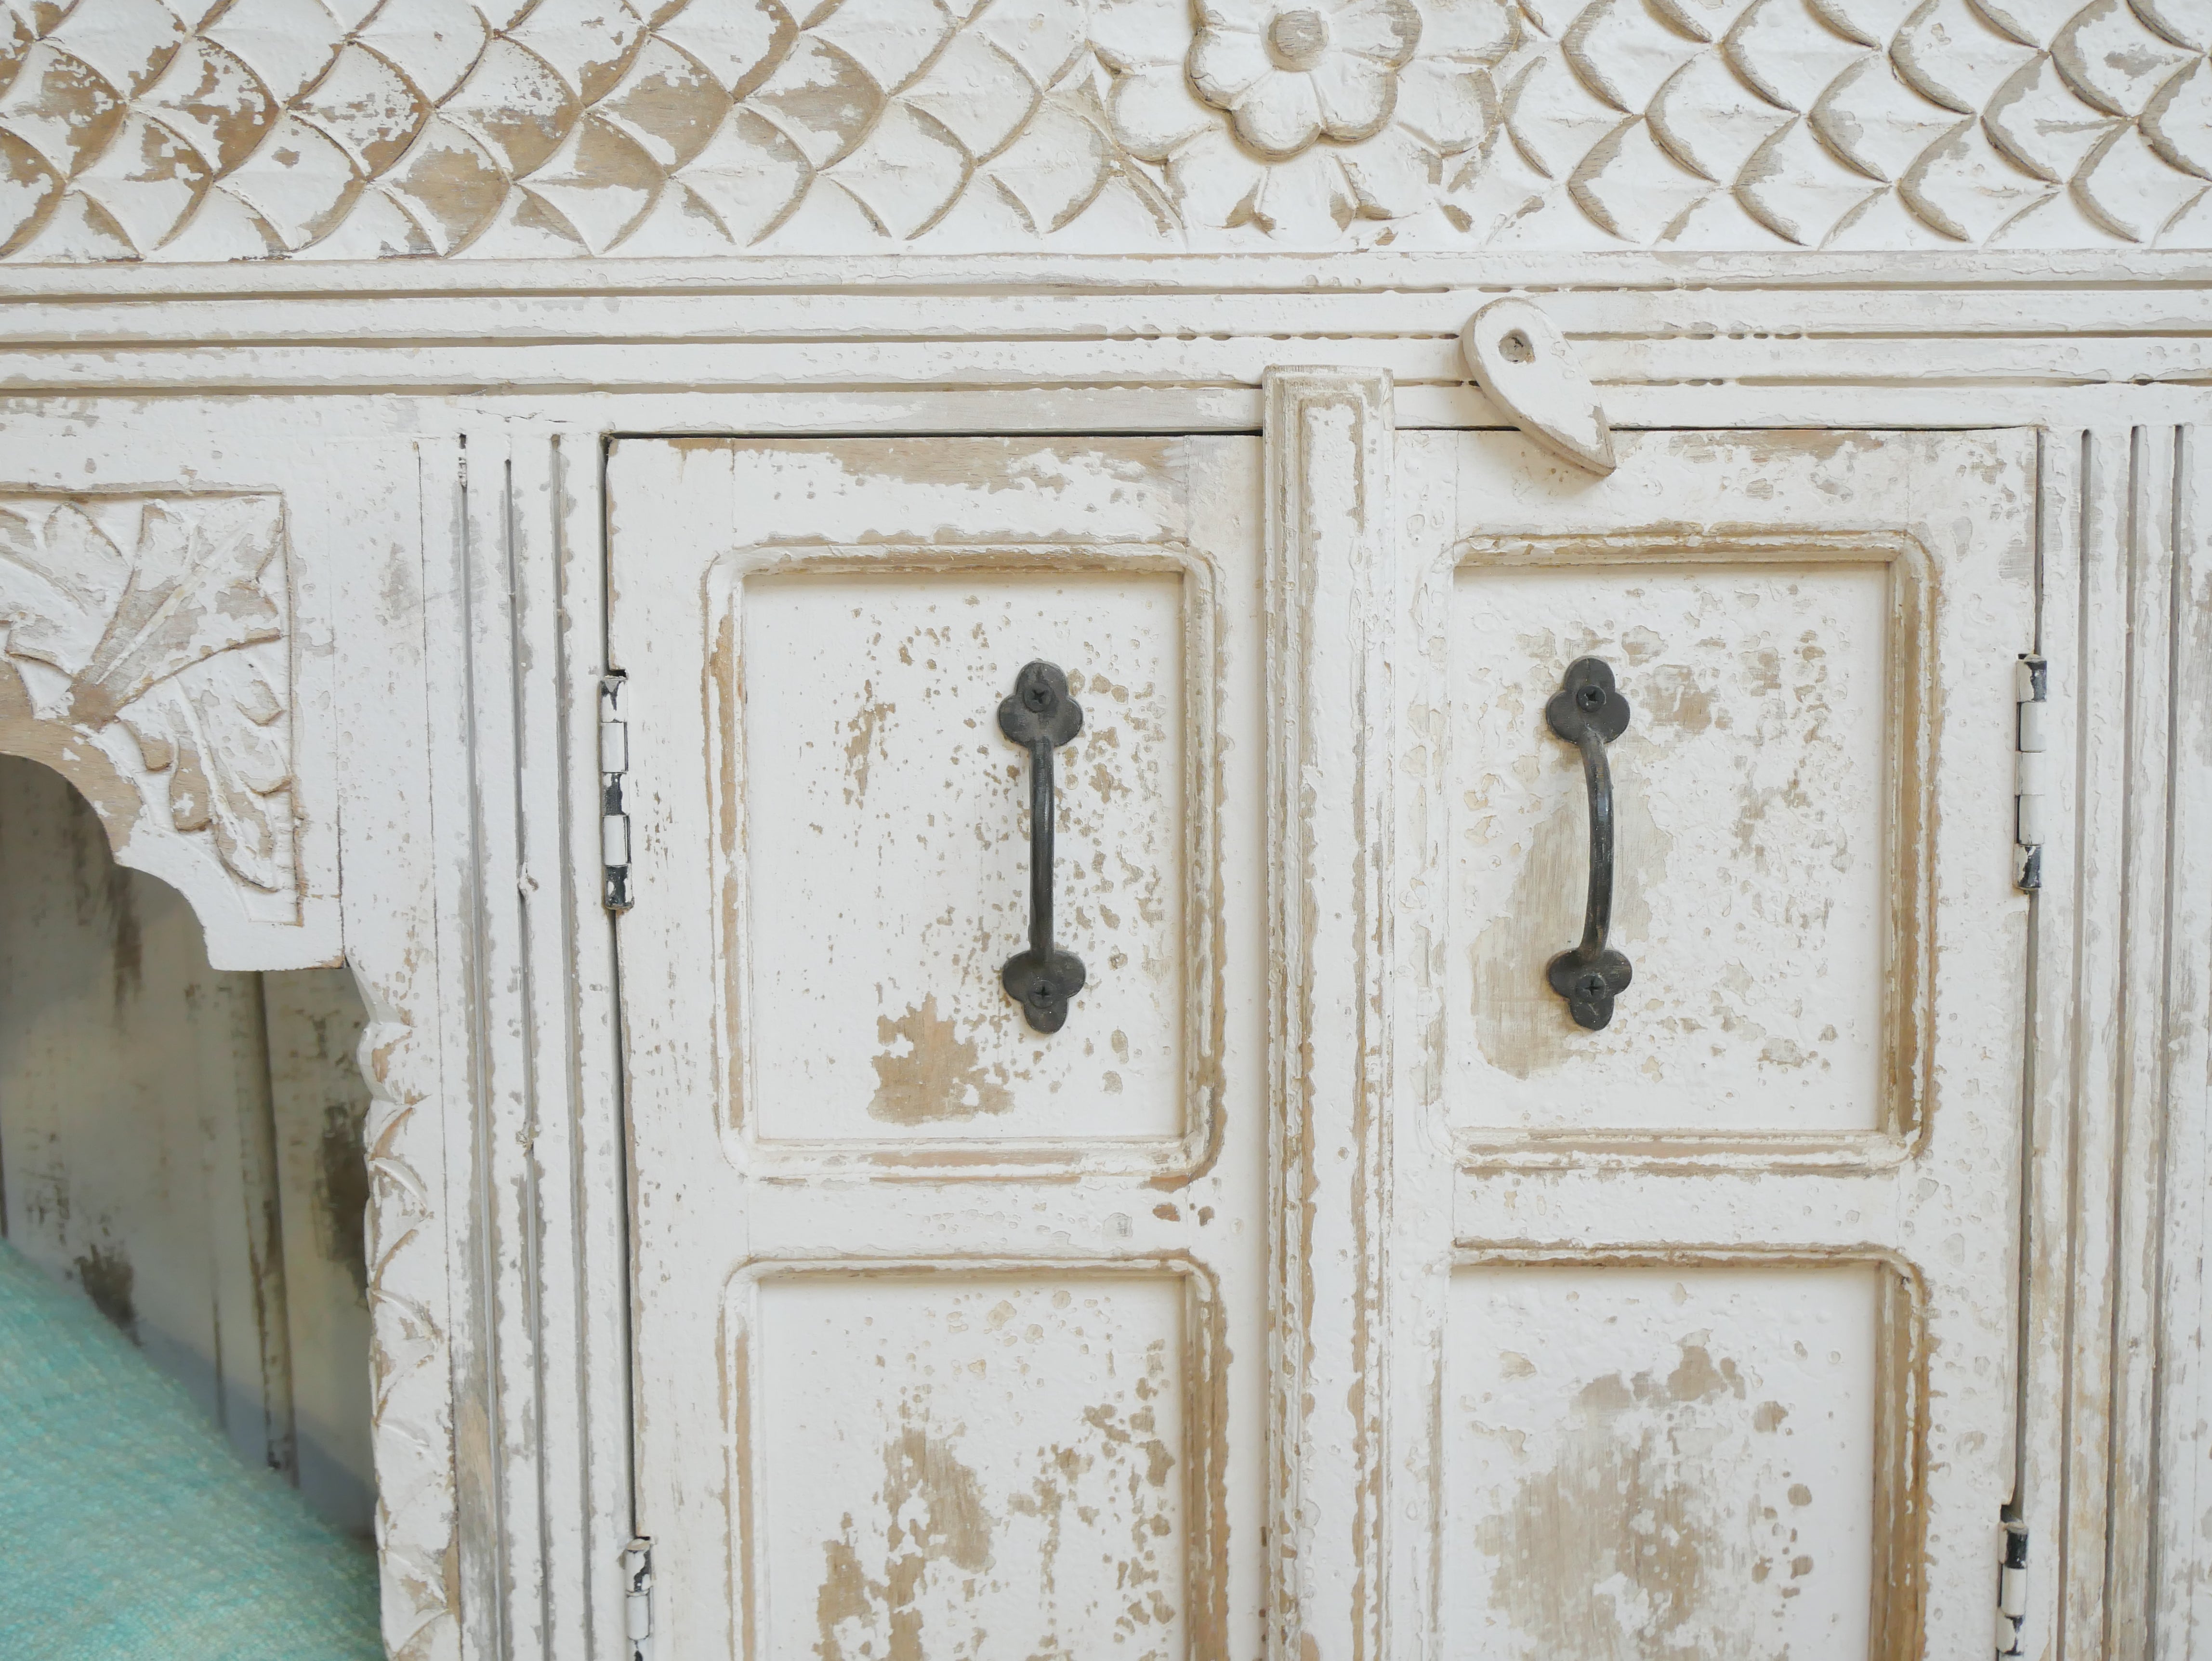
177,130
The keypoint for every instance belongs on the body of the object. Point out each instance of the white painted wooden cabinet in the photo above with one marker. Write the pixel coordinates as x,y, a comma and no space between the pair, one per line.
542,504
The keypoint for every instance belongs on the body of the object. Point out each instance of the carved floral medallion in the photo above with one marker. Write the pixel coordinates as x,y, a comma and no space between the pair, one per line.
1303,115
1289,74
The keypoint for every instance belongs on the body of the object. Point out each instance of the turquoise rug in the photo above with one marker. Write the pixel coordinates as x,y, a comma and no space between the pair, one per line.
129,1530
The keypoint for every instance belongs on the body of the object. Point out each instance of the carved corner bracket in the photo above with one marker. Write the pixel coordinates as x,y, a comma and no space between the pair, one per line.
148,650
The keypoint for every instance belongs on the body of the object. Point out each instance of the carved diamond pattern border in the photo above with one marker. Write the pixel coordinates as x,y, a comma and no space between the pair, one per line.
181,131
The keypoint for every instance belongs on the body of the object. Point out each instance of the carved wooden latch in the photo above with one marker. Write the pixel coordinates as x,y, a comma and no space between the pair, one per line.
1524,364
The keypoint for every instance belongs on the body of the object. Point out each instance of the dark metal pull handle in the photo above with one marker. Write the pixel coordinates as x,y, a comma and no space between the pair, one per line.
1041,716
1587,712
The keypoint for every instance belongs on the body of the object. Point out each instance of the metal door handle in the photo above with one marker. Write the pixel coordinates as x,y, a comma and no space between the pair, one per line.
1587,712
1041,716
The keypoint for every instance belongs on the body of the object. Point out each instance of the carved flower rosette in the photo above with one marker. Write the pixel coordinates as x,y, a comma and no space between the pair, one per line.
162,620
1298,116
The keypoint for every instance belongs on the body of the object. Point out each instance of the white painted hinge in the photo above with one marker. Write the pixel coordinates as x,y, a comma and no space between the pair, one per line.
637,1598
2012,1590
614,783
2032,692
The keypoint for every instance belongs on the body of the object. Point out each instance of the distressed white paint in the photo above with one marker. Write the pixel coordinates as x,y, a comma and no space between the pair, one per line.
1661,1460
1012,1474
487,130
1330,1177
1761,839
1903,565
886,825
1044,1393
441,673
150,639
1519,358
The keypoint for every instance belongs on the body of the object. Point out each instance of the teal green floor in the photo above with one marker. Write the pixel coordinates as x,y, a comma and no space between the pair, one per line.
129,1531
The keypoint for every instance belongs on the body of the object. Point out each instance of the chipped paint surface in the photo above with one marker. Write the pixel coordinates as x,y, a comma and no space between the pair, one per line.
1649,1463
945,1318
430,1255
886,836
970,1467
926,1071
422,128
1752,797
1721,1356
843,346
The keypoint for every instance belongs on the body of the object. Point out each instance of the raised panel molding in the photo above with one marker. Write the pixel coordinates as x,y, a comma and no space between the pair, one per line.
1560,1495
815,1121
1881,1116
149,650
495,1145
867,1387
1329,549
548,128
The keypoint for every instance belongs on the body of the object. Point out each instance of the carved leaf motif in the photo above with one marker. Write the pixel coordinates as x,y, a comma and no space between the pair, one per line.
59,577
228,757
412,1404
195,590
155,643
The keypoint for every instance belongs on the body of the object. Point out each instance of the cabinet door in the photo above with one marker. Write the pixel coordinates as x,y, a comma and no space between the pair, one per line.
1704,1342
946,1328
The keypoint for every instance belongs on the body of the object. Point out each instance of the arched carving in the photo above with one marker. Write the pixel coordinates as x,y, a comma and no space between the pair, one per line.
148,649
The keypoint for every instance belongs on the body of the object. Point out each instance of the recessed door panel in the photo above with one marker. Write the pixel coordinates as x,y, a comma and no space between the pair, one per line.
887,840
1765,790
1669,1317
926,1453
1668,1459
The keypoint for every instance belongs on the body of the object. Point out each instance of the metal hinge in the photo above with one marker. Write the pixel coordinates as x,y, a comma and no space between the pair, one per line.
637,1598
2032,692
2012,1590
614,781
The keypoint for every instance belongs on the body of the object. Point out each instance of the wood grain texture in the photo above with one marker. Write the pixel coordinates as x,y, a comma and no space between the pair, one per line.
136,1127
314,1020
